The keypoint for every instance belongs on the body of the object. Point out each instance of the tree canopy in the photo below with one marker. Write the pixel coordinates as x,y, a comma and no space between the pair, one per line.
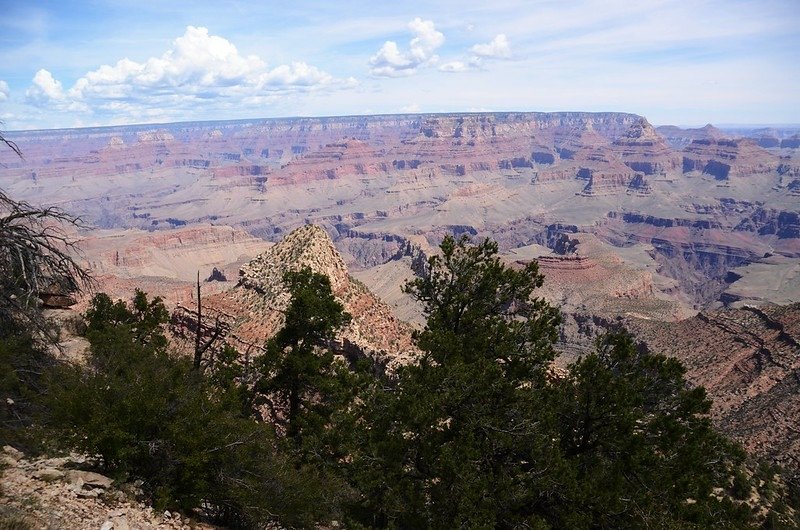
481,433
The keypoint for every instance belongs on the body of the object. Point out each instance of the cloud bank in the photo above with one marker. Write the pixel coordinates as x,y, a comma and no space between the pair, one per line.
199,68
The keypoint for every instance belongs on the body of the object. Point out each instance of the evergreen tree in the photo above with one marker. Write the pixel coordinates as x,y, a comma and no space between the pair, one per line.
463,440
302,383
641,443
482,433
149,415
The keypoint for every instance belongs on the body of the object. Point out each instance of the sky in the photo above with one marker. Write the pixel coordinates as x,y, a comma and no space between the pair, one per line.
110,62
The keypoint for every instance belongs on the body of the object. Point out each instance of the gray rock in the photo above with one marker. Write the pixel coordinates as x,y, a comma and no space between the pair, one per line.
48,474
121,523
90,494
89,478
16,454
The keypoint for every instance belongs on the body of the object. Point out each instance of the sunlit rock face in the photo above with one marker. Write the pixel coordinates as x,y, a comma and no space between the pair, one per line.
253,310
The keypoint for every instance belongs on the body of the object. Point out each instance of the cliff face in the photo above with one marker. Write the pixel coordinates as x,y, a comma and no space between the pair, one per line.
725,159
291,151
706,203
749,361
253,310
176,254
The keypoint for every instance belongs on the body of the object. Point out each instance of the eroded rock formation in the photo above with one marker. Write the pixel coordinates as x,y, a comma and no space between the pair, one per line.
749,361
253,310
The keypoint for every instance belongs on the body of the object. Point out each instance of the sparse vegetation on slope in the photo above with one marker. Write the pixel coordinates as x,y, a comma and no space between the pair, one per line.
480,432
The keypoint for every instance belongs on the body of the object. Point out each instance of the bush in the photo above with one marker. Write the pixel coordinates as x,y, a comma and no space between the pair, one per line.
149,415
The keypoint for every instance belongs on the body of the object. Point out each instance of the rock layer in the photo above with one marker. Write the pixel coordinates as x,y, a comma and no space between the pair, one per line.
749,361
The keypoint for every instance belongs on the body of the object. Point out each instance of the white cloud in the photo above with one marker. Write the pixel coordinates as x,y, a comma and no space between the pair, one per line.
197,69
4,90
455,67
390,61
45,88
498,48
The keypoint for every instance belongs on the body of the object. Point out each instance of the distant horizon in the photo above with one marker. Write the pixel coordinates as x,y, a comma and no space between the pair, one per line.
115,62
721,126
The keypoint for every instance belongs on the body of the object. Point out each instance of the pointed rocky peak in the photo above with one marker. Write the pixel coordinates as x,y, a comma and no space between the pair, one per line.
708,132
254,310
307,246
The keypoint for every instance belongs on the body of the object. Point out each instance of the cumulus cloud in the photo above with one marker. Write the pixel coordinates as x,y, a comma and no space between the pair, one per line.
45,88
4,90
498,48
390,61
198,67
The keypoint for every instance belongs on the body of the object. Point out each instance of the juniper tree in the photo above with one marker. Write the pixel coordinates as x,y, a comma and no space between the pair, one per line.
481,432
461,441
301,380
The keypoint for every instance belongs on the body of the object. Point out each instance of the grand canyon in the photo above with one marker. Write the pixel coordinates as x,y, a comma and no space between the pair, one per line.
688,238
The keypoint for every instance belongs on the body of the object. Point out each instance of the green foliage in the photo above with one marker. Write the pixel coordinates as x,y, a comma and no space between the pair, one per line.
461,440
23,361
302,383
477,307
111,322
148,415
479,434
641,442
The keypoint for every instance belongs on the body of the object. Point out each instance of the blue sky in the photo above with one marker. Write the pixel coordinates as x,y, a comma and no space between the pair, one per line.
103,62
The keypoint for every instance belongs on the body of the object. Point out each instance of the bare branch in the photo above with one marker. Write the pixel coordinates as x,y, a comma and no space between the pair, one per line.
37,257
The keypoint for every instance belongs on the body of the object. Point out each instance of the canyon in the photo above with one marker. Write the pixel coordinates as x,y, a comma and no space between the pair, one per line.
707,212
690,238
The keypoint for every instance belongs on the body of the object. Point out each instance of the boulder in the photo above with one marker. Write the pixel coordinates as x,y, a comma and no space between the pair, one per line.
88,479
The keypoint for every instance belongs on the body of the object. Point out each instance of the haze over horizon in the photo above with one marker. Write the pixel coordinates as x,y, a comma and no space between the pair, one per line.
114,62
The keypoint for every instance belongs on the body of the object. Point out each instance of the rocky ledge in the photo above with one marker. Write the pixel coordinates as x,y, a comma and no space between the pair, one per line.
749,361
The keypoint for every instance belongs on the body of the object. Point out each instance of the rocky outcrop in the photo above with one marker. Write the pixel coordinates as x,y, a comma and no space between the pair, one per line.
679,138
724,159
791,143
749,361
784,225
52,493
253,310
643,150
